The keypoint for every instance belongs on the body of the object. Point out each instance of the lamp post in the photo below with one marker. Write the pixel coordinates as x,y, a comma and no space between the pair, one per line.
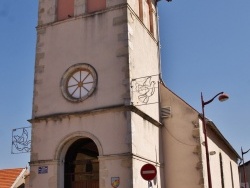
222,97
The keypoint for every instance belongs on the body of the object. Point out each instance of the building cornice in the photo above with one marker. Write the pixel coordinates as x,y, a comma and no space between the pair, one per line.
120,107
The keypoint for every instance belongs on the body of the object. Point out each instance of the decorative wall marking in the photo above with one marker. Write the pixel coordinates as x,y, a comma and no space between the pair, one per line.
21,140
144,90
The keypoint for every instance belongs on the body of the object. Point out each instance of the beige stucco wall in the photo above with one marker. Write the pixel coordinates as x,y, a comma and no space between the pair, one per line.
146,149
184,150
77,41
104,41
53,132
217,145
181,161
144,61
120,48
48,9
53,137
113,139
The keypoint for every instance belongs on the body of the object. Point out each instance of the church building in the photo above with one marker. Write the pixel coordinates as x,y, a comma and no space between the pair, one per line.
101,110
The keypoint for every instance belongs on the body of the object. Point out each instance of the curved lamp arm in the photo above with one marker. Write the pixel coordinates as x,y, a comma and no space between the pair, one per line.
207,102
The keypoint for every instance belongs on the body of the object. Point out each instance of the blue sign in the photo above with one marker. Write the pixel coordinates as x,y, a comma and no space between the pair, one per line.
42,169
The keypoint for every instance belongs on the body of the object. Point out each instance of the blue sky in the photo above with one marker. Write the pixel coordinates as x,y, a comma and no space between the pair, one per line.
205,47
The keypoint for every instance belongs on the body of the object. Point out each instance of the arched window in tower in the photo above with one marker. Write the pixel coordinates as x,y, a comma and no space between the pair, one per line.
95,5
151,20
146,12
81,167
141,10
65,9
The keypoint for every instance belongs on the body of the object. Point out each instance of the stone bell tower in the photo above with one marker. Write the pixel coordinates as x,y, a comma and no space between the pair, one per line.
95,118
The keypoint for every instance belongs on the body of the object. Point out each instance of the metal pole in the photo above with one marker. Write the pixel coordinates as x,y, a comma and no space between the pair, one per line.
222,97
206,143
243,165
149,184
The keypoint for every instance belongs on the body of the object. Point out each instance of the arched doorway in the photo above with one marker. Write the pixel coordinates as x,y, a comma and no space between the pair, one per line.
81,167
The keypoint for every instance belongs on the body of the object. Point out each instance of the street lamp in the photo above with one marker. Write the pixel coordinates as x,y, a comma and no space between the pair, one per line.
222,97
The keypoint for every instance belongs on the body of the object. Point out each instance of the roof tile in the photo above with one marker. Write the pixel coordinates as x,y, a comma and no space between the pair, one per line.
8,177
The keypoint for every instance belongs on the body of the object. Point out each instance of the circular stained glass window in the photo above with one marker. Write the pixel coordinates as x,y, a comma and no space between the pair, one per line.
79,82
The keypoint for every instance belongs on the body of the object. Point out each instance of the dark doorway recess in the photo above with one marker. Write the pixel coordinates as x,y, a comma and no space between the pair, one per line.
81,168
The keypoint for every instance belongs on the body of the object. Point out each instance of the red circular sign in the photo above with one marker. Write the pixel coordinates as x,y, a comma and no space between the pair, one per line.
148,172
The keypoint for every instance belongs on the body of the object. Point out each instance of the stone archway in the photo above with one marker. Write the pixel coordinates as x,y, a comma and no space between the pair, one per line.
63,148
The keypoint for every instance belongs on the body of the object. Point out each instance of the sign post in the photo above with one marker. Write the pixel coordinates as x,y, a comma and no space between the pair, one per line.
148,172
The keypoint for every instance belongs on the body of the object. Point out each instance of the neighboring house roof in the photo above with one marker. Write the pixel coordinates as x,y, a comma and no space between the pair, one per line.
9,176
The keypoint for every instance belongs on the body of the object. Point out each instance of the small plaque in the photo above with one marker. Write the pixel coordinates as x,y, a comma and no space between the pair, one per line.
42,169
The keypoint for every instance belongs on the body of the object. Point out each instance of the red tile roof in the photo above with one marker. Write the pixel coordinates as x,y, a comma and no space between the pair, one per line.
8,177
